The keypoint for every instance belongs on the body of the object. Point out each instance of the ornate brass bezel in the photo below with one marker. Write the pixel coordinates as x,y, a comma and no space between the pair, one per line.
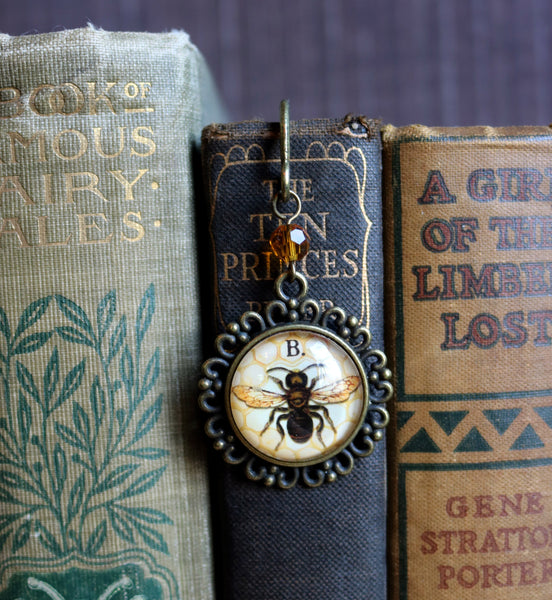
283,314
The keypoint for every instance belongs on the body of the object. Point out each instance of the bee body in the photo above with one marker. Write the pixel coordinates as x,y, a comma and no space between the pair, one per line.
300,405
300,425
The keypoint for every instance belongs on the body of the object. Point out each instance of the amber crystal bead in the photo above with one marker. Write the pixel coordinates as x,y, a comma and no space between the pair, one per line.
290,242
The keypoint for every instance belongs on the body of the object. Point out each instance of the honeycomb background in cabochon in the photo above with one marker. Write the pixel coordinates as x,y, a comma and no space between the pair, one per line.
272,352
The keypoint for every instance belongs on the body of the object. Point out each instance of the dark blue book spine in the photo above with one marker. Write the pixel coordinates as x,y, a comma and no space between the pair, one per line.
326,543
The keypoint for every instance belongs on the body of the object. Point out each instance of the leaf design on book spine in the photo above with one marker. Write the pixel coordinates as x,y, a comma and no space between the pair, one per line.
73,456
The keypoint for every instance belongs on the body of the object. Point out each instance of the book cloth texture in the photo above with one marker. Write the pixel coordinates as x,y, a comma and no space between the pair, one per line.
299,543
468,260
103,487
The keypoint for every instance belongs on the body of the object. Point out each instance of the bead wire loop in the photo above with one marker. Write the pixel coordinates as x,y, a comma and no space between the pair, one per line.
291,196
288,242
287,278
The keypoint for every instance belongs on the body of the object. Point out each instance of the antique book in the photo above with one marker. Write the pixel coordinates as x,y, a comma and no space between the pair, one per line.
469,264
103,486
301,542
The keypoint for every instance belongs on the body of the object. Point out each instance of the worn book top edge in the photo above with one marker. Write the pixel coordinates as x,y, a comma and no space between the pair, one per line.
27,43
391,134
353,126
372,127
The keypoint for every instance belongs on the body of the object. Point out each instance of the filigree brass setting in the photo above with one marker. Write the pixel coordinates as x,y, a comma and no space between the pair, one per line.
288,314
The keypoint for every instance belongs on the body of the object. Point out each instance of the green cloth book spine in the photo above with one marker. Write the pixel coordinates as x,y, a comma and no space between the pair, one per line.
103,487
327,542
468,264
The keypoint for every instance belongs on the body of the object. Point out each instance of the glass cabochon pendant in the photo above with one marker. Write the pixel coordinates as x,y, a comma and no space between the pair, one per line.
295,393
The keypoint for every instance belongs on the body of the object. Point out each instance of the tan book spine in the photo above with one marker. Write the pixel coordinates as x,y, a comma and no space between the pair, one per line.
469,269
103,489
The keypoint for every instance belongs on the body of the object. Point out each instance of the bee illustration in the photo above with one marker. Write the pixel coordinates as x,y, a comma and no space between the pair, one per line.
300,403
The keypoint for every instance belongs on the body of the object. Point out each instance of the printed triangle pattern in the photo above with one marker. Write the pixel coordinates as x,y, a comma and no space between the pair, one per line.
501,418
403,416
421,442
448,420
527,440
545,413
473,442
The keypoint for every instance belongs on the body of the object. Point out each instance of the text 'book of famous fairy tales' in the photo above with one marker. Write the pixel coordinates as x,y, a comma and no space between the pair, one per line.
103,490
469,270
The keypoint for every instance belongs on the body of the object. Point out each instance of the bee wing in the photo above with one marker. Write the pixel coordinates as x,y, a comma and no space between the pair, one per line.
256,397
336,392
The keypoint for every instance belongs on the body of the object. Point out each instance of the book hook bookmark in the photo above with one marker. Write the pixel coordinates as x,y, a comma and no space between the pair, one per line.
295,392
